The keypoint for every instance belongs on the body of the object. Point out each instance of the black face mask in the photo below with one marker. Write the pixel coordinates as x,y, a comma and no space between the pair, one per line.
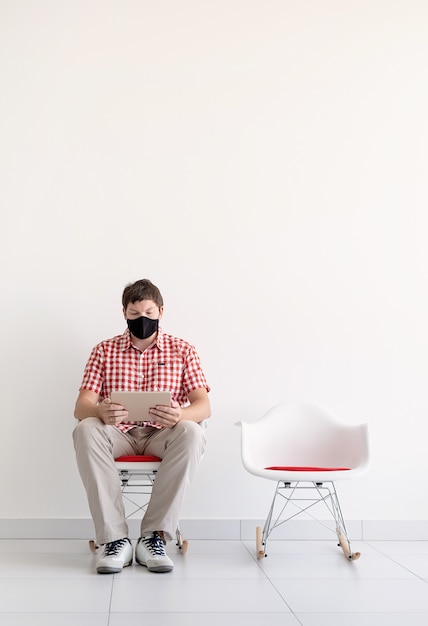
143,327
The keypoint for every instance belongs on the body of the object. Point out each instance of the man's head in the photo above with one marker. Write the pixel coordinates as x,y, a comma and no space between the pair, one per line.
141,290
142,308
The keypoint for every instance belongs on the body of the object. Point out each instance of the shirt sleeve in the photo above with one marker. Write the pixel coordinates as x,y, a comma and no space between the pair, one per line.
93,375
193,376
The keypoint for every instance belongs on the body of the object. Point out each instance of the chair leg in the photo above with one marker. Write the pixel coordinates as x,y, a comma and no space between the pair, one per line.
269,525
346,547
182,544
341,531
259,543
93,546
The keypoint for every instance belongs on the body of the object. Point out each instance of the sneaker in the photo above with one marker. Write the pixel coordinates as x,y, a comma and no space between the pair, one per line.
115,556
150,552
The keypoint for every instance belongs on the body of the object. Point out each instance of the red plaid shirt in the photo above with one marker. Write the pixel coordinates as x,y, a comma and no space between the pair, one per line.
169,364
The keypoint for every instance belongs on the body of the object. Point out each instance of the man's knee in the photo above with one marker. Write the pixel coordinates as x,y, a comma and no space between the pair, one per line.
87,430
193,433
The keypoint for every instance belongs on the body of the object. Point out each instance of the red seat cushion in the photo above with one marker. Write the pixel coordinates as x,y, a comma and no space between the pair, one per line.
139,458
283,468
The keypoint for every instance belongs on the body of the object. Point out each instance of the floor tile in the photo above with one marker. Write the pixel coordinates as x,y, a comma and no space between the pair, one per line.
324,566
45,546
201,546
412,555
400,547
54,619
361,596
309,547
210,566
41,595
363,619
50,565
415,563
167,594
207,619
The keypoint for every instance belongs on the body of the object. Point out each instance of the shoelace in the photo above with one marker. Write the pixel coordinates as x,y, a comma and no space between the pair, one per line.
114,547
155,544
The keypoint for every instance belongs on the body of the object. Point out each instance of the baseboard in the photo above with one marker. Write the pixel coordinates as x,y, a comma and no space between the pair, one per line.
223,529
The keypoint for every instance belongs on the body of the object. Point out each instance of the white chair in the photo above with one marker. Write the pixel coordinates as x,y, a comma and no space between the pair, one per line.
137,475
305,449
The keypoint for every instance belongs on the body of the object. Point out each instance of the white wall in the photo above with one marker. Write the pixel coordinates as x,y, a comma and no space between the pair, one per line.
264,162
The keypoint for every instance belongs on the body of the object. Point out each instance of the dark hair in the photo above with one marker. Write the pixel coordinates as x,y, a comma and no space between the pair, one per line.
141,290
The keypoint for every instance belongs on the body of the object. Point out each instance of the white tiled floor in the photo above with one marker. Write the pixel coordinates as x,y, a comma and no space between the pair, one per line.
306,583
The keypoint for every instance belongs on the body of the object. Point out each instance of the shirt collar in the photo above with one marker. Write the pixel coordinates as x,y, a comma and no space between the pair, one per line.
126,342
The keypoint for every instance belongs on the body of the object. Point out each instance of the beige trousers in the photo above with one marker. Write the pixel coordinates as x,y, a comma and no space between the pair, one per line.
97,445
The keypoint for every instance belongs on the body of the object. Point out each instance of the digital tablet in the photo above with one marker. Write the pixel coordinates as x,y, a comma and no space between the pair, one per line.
138,403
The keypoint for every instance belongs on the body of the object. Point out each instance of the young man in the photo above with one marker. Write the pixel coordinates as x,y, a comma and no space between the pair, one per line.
143,358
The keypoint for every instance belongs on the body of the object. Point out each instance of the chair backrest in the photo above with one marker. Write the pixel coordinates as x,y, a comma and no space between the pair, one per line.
303,435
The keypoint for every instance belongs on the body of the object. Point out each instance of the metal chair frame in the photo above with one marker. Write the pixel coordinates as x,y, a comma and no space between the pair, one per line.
289,491
137,478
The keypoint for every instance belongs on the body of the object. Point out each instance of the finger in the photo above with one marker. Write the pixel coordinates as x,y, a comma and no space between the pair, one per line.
163,410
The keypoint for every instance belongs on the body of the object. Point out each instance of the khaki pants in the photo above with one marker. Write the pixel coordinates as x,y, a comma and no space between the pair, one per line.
97,445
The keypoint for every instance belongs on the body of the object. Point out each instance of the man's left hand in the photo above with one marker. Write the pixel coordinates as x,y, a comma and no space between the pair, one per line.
166,416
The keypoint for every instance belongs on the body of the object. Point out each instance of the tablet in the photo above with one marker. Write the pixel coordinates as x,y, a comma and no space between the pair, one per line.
138,403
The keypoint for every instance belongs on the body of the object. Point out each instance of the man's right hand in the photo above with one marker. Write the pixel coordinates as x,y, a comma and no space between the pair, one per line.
112,414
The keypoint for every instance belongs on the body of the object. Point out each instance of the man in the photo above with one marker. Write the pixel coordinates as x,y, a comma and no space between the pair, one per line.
143,358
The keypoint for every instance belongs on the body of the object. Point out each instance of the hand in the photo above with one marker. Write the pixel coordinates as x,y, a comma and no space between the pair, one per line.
166,416
111,414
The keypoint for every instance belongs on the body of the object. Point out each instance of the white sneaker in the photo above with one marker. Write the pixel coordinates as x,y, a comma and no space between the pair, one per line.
150,552
115,556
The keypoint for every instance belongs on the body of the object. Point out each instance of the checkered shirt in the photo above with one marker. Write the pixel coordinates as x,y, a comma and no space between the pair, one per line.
169,364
